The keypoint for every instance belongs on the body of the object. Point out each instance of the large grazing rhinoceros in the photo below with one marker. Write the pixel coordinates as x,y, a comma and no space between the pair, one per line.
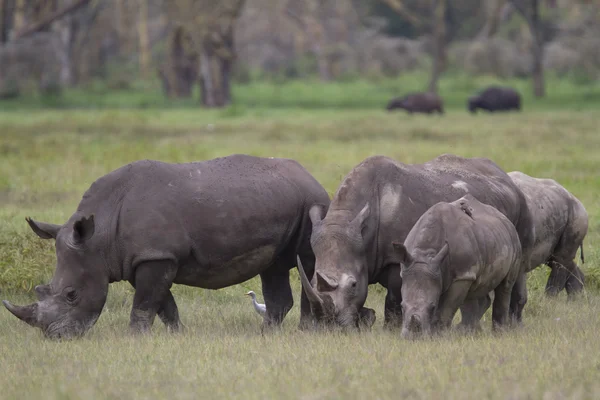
208,224
561,223
457,253
377,203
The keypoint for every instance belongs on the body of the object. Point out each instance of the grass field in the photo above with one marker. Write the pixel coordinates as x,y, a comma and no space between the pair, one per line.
49,158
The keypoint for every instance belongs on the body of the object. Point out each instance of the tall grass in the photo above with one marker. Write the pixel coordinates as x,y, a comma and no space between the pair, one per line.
49,158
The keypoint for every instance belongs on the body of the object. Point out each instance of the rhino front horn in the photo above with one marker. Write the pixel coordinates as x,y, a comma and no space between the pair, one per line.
26,314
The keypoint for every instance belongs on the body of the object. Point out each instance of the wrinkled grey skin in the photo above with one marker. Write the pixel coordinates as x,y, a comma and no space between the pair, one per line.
457,253
418,103
377,203
208,224
561,223
495,98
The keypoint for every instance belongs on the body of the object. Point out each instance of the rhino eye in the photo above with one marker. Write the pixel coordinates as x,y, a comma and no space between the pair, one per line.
71,295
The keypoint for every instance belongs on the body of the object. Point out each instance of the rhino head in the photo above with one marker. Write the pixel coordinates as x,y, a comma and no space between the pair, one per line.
74,299
421,289
473,103
339,286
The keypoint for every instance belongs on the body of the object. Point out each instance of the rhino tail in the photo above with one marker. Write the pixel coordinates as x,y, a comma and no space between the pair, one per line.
582,256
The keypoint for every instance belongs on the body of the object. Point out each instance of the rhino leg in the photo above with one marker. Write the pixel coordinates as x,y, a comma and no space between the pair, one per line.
393,311
277,293
169,314
557,280
518,298
472,311
501,307
575,282
450,301
152,284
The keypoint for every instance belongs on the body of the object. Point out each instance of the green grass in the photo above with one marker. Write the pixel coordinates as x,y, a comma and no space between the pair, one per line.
49,158
455,88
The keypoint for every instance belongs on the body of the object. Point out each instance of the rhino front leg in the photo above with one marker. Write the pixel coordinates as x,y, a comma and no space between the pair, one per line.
277,293
451,300
472,311
153,280
169,314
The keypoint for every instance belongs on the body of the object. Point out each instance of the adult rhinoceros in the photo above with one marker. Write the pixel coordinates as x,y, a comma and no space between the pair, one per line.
561,223
208,224
378,203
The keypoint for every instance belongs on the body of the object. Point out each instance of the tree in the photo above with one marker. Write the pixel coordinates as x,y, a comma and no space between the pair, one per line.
436,26
439,57
530,11
210,24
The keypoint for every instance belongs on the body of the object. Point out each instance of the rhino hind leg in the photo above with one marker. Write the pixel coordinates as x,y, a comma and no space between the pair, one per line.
277,292
502,303
169,314
557,280
575,282
518,298
152,284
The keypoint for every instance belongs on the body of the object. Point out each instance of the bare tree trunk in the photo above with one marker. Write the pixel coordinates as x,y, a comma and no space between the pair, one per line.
438,11
539,89
19,17
3,21
65,33
532,19
494,12
144,41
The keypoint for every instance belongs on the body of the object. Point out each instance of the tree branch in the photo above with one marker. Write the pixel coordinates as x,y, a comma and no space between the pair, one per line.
38,26
399,7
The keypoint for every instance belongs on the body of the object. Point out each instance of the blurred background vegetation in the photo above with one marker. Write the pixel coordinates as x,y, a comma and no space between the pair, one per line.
293,53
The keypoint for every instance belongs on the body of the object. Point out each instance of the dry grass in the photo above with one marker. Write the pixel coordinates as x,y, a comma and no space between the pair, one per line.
48,159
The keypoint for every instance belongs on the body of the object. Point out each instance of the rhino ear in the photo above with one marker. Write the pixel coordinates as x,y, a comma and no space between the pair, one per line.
83,229
439,257
402,254
326,283
362,216
42,229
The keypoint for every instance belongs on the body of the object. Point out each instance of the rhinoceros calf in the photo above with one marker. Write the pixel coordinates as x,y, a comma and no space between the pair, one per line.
207,224
495,98
378,202
457,252
561,223
418,103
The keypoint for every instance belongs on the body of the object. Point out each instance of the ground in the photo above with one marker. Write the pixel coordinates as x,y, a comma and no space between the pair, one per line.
49,158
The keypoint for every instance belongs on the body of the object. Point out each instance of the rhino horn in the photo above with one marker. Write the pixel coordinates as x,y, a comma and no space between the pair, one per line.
26,314
311,293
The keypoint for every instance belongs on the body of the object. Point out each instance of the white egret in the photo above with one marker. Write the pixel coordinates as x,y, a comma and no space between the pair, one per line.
261,309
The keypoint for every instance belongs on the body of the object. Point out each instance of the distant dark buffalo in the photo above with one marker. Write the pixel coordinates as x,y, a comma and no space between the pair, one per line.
418,102
495,98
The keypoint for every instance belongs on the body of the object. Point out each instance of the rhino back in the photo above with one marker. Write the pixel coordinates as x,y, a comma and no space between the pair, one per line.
483,247
399,194
222,221
560,219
